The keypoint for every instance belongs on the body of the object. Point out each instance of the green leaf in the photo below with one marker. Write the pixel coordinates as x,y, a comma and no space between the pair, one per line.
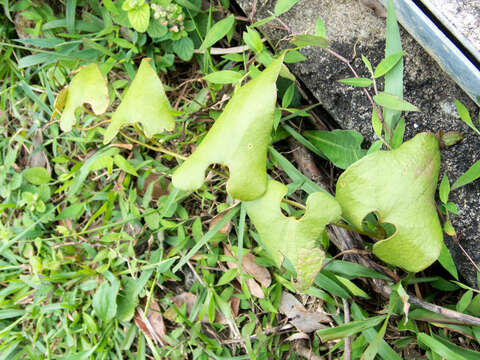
309,40
37,175
341,147
127,299
320,28
387,64
70,15
124,164
465,116
156,30
253,40
393,102
465,301
227,276
31,60
294,56
384,350
224,77
288,96
238,139
145,101
374,346
359,82
139,17
329,282
88,86
446,349
394,78
446,260
352,270
472,174
297,177
400,185
444,189
104,301
218,31
153,221
184,48
377,124
349,329
283,6
398,134
367,64
287,237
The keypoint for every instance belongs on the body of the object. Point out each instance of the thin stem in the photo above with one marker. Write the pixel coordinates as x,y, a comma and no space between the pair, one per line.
159,149
94,126
347,354
295,204
354,229
344,60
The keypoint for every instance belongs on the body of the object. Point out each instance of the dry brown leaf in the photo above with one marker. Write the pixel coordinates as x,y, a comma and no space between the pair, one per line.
39,157
258,272
254,288
302,319
190,299
160,187
151,325
235,305
297,336
225,228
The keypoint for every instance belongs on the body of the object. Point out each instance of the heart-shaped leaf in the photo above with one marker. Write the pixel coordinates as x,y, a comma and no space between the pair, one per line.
88,86
287,237
400,186
238,139
145,101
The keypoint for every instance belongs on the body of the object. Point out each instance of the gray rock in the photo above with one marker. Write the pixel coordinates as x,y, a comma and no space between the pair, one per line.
354,29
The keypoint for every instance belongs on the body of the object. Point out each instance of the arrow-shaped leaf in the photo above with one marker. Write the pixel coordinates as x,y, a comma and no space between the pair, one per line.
145,101
400,185
238,139
287,237
88,86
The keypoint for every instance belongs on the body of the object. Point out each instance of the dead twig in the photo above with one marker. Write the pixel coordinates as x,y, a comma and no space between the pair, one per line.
347,354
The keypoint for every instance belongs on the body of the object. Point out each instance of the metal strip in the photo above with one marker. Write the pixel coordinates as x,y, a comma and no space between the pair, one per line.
439,46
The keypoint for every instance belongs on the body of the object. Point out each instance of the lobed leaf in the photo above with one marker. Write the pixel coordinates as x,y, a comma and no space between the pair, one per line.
238,139
145,101
88,86
400,185
287,237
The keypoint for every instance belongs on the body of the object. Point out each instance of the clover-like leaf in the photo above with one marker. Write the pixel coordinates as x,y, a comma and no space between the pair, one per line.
238,139
400,186
294,239
88,86
145,101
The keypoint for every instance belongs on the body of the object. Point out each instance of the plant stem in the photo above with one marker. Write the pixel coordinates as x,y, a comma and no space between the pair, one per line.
158,148
354,229
295,204
344,60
